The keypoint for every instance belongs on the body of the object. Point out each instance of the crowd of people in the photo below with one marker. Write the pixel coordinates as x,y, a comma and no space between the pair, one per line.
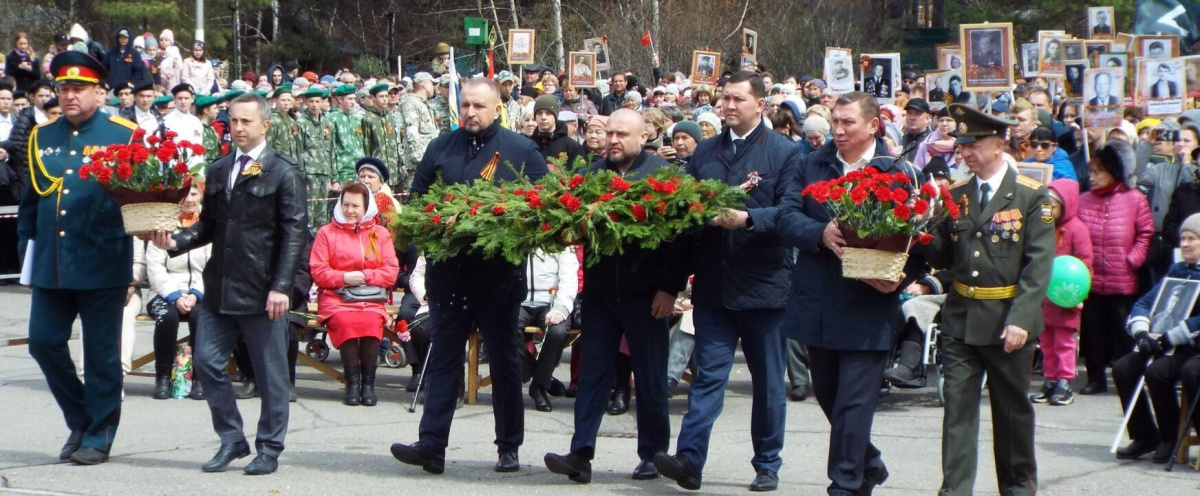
300,166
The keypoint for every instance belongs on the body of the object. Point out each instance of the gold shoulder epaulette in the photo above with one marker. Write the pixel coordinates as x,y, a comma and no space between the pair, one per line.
123,121
1028,182
960,184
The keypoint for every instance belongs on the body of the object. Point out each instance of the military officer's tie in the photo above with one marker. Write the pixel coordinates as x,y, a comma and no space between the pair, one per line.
983,195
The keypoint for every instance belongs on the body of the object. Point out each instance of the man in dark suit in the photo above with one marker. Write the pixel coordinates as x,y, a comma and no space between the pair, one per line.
1164,87
82,259
986,50
1102,26
1102,85
740,288
468,292
846,323
877,85
256,217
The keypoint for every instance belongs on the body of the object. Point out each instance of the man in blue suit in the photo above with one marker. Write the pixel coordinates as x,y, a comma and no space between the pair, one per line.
740,287
82,259
847,324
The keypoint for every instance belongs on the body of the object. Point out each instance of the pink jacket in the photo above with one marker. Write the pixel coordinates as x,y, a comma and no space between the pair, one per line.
1071,238
340,248
1121,226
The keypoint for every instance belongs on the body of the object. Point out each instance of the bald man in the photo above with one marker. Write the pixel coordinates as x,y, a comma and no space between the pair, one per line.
470,292
630,295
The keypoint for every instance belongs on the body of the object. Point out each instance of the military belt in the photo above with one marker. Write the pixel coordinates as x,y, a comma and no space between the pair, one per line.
977,293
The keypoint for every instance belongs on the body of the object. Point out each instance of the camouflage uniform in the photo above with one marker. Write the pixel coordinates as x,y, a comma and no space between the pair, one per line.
211,142
316,162
512,111
347,144
420,129
284,134
441,113
381,141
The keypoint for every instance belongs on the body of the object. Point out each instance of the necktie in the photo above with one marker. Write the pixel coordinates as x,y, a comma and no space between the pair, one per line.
241,165
737,143
983,195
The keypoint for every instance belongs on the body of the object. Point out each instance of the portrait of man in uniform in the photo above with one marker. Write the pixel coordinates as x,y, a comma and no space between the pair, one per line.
1173,304
1100,22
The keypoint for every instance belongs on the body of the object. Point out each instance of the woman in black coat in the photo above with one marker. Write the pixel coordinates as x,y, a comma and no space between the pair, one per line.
1185,201
22,62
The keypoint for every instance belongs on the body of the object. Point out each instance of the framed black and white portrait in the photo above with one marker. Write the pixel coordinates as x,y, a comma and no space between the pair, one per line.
988,49
1029,60
1173,304
881,76
839,73
1100,23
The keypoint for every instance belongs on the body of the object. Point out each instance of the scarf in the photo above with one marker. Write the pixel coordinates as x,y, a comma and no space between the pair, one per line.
22,55
186,220
1105,191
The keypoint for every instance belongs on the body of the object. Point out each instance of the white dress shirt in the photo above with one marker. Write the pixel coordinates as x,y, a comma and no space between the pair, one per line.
861,163
992,182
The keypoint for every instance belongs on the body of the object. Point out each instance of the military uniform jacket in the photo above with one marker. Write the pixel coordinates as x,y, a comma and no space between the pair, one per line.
212,144
382,142
441,113
316,152
80,238
420,127
284,134
347,143
1009,243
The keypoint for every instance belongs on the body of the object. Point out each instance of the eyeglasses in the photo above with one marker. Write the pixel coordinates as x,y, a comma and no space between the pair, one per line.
1042,144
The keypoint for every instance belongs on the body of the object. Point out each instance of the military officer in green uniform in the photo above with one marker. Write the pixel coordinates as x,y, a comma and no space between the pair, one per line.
999,253
346,134
316,154
420,125
380,136
82,259
206,106
284,135
440,104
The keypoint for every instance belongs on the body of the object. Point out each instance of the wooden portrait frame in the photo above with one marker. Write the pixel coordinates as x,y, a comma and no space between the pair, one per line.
521,58
991,74
1140,42
582,81
696,76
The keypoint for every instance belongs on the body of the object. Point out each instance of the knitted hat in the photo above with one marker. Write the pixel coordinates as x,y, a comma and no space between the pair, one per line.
546,102
710,118
600,121
167,35
139,42
150,41
1191,224
373,164
78,33
815,124
1149,122
690,128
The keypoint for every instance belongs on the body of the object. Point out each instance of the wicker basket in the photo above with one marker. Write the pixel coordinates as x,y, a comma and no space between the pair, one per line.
142,218
865,263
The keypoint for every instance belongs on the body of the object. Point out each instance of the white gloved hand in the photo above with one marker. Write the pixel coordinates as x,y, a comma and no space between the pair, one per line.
1180,336
1138,326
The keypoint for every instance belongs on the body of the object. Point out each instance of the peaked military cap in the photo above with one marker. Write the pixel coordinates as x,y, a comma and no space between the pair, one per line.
972,125
72,67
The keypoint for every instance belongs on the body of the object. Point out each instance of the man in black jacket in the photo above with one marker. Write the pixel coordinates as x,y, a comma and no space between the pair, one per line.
740,287
468,292
630,294
256,218
551,134
616,93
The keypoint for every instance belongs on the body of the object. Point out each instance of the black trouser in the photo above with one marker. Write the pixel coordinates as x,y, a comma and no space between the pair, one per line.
846,384
1161,376
418,334
1102,334
542,366
166,333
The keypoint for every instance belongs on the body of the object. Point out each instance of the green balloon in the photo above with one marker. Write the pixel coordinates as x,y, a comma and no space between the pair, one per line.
1070,282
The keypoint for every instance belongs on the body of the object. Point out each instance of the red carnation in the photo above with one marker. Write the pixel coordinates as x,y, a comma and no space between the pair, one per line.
570,202
953,209
430,207
85,172
920,206
925,238
858,196
695,206
883,194
98,156
537,187
140,154
902,178
138,134
902,212
199,149
104,174
153,139
164,154
647,197
639,212
171,134
606,197
124,154
619,184
448,197
662,205
181,168
545,226
929,190
437,219
519,192
899,195
498,209
614,216
185,144
475,208
837,193
576,180
534,200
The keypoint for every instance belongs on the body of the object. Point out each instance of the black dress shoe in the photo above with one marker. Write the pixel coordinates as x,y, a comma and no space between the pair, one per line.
573,466
678,469
1137,449
412,382
766,480
249,390
1094,388
225,455
645,471
262,464
508,462
197,392
873,479
1163,453
798,393
570,391
162,387
90,456
541,400
556,388
415,454
619,402
71,446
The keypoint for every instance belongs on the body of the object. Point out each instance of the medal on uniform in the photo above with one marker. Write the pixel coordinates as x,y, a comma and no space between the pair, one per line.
964,203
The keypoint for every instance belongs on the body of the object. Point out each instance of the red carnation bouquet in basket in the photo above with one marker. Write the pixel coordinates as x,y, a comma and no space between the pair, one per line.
881,215
146,180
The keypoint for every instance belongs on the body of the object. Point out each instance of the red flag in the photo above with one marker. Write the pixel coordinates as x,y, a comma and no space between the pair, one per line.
646,39
491,73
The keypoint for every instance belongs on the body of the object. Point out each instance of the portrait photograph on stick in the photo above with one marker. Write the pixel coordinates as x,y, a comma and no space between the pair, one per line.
1152,47
1073,81
839,73
988,49
1103,97
1174,303
521,46
705,66
583,69
1051,53
750,43
1100,23
1161,86
600,47
880,75
1029,60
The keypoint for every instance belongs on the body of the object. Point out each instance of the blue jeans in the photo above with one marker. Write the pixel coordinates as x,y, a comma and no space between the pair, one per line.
717,333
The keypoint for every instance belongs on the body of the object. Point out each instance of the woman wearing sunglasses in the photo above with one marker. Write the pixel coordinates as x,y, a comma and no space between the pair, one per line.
1044,147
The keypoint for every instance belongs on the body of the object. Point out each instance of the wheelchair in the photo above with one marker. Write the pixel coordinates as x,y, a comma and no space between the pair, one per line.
921,310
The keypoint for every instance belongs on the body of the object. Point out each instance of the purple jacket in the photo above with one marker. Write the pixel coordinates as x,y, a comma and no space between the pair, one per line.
1121,226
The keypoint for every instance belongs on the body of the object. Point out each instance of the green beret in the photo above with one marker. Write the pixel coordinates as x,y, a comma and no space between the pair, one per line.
163,100
203,101
230,95
262,93
381,87
343,90
283,88
311,93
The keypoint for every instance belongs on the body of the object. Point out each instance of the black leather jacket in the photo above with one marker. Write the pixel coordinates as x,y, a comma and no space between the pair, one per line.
258,233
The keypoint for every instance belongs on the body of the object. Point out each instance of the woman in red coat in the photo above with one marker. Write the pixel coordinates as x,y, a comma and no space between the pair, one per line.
354,250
